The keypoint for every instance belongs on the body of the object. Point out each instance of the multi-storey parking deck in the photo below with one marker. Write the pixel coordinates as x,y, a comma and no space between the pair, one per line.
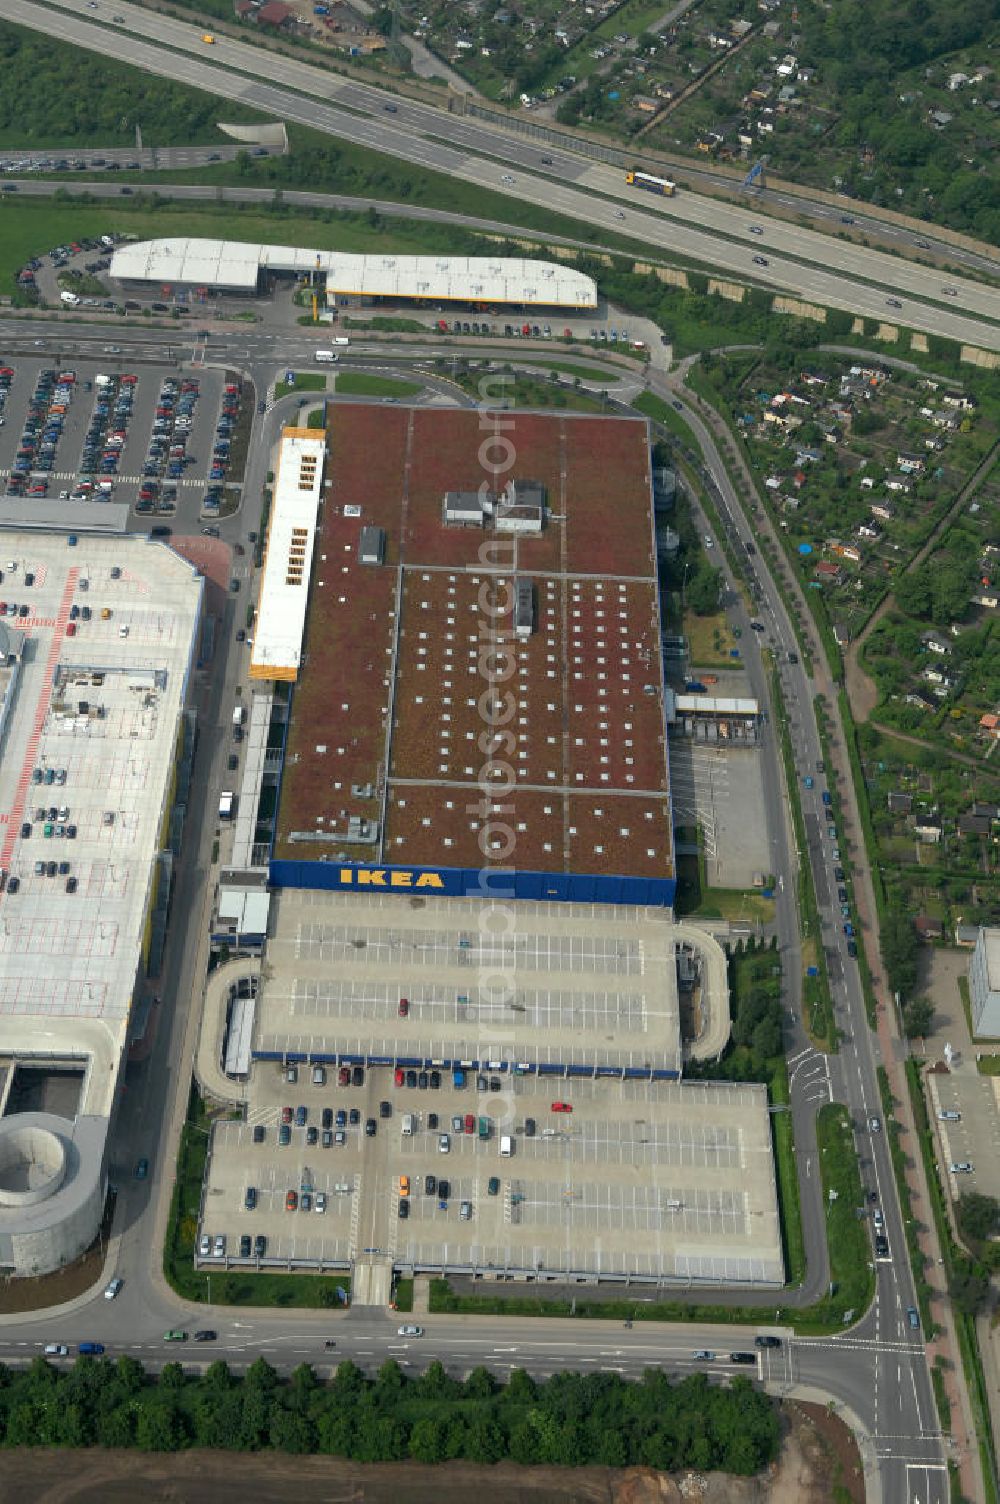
546,988
524,1063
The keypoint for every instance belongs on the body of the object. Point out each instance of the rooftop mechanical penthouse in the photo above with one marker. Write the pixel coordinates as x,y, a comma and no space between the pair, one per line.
480,685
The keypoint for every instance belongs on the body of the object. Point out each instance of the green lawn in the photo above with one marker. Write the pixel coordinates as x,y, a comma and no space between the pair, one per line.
305,381
661,412
360,384
709,639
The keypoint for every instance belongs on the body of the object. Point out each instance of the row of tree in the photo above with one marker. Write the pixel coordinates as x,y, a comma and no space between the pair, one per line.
570,1419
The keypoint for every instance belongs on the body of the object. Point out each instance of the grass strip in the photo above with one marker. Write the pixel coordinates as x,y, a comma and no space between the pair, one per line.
360,384
304,381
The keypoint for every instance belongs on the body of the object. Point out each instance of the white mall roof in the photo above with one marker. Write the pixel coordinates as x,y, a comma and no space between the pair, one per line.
462,279
466,279
291,536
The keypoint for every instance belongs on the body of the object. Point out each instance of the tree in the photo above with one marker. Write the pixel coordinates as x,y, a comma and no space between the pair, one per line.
427,1440
899,952
969,1287
702,592
978,1216
918,1014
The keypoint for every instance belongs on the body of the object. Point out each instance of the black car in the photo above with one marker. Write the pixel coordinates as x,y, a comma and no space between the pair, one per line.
411,1078
312,1136
882,1247
838,873
422,1080
430,1185
743,1358
494,1083
404,1208
435,1080
370,1127
767,1342
357,1076
259,1133
432,1120
245,1246
260,1245
529,1127
842,894
327,1118
385,1109
444,1190
207,1335
354,1116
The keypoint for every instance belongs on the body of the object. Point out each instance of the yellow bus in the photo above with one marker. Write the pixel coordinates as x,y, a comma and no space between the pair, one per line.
650,183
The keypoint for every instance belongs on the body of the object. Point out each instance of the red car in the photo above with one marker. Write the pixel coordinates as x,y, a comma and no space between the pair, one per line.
398,1077
404,1007
286,1114
344,1075
470,1123
291,1201
562,1107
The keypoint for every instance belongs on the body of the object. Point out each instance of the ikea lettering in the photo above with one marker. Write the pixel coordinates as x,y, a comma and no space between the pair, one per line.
386,877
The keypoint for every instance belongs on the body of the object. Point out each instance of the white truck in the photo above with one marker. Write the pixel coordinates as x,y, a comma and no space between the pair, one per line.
327,357
237,715
226,804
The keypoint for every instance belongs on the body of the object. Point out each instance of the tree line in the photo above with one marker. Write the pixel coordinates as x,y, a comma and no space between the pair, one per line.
570,1419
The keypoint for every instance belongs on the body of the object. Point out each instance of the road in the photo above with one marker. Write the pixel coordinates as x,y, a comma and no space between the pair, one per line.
876,1370
707,230
901,1410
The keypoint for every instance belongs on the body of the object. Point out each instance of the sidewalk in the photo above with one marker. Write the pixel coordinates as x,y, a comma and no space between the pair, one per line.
892,1049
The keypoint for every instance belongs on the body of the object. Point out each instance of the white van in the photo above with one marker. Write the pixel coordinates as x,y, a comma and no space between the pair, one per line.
407,1126
70,299
506,1146
325,357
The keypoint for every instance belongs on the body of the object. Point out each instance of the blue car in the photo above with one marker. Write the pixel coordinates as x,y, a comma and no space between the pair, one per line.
849,931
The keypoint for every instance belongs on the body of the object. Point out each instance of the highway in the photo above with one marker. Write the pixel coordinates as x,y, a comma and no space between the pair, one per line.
706,230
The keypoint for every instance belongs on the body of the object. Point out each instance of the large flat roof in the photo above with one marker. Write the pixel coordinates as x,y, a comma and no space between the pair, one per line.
100,710
467,279
582,985
291,533
390,724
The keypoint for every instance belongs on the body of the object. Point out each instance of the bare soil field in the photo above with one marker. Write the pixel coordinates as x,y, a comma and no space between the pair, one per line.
818,1453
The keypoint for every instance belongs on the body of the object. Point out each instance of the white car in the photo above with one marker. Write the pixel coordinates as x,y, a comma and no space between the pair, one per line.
113,1290
756,229
319,1205
220,1245
962,1167
56,1350
410,1331
204,1246
444,1143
